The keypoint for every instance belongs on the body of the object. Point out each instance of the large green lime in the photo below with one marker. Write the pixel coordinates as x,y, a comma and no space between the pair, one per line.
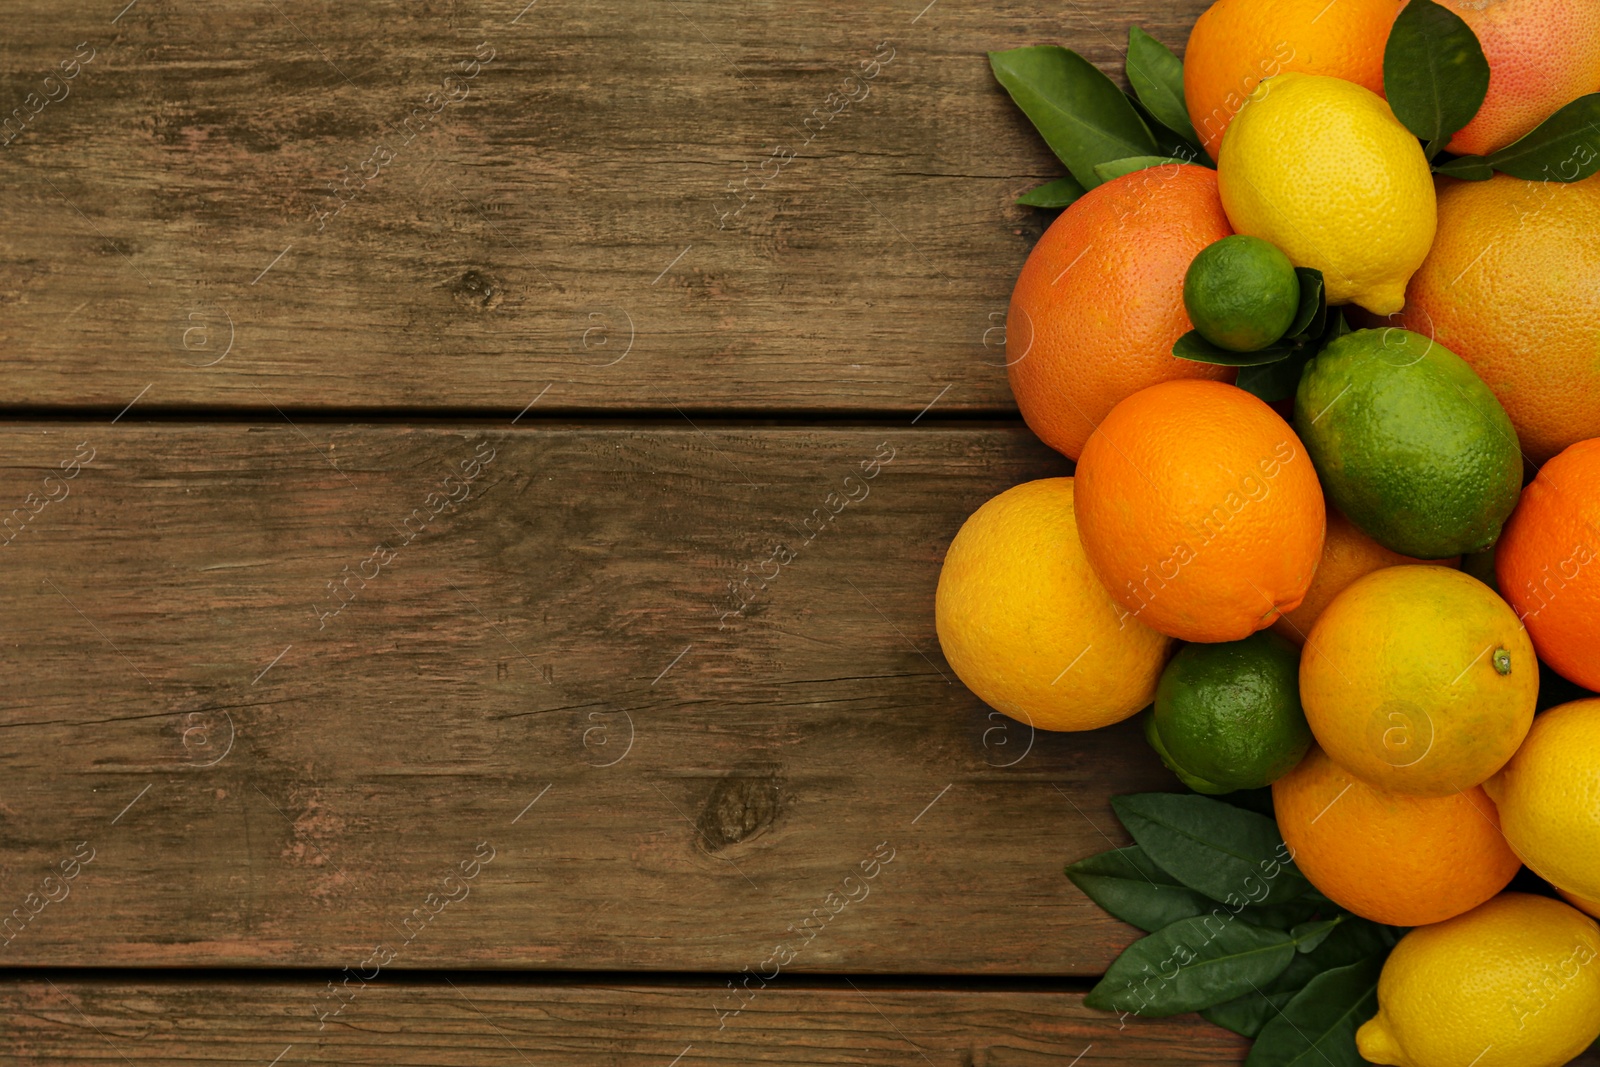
1241,293
1228,716
1409,443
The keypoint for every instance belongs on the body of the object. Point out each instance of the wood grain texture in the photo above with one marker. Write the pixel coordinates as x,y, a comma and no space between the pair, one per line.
514,1024
265,782
564,224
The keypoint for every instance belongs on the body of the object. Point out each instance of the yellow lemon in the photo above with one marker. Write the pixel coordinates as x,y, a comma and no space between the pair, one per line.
1320,167
1514,982
1029,628
1419,680
1549,800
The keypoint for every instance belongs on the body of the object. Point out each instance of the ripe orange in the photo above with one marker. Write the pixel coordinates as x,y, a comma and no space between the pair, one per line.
1510,289
1100,300
1391,857
1200,511
1548,563
1542,54
1237,43
1027,627
1347,554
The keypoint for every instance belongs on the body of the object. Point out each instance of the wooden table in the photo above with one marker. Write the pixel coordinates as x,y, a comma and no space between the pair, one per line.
397,396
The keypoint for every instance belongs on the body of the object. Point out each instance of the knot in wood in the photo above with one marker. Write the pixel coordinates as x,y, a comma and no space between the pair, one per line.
475,289
738,809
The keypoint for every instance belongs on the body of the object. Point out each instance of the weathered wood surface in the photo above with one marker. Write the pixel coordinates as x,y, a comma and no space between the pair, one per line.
514,1024
565,224
265,781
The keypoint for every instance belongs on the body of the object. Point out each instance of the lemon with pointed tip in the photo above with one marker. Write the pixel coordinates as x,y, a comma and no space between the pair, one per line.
1515,982
1321,168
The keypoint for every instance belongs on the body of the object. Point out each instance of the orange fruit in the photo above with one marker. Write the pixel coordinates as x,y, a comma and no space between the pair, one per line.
1236,44
1508,288
1548,563
1200,511
1390,857
1347,554
1542,54
1099,302
1027,627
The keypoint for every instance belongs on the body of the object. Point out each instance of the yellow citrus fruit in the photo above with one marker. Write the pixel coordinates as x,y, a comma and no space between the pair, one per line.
1590,906
1321,168
1419,680
1512,983
1029,628
1549,798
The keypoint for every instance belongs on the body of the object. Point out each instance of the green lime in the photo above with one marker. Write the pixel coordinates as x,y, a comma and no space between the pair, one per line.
1241,293
1228,716
1409,443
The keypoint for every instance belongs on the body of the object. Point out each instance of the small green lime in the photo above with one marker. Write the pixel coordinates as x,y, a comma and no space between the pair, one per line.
1241,293
1228,716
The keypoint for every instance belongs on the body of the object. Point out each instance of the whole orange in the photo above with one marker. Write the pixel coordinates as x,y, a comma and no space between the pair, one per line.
1542,54
1510,288
1099,302
1391,857
1347,554
1236,44
1548,563
1199,510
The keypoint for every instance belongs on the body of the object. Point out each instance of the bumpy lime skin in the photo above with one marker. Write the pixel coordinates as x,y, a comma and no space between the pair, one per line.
1409,443
1228,715
1241,293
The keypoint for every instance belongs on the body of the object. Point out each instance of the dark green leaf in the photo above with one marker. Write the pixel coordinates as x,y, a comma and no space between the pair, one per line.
1126,883
1310,935
1312,314
1563,148
1434,72
1192,964
1169,143
1080,113
1059,193
1192,346
1229,854
1157,76
1248,1014
1318,1027
1354,940
1285,916
1273,381
1118,167
1467,168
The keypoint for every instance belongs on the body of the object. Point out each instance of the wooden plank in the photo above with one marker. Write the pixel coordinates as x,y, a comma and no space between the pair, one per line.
565,224
267,778
65,1023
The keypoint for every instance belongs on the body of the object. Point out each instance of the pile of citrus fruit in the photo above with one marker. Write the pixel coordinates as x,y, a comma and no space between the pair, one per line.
1319,325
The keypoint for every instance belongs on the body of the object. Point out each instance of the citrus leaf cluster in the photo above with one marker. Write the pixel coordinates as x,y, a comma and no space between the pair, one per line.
1234,930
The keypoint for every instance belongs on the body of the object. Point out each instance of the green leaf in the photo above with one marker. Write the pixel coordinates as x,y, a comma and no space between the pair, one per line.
1434,72
1080,113
1169,143
1256,800
1273,381
1126,883
1563,148
1308,936
1157,76
1467,168
1192,964
1229,854
1192,346
1059,193
1118,167
1311,316
1354,940
1318,1027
